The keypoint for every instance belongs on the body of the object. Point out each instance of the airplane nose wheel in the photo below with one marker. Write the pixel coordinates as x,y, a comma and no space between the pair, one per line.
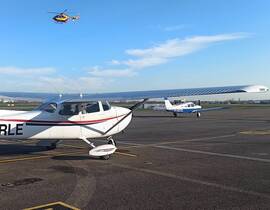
112,142
105,157
102,151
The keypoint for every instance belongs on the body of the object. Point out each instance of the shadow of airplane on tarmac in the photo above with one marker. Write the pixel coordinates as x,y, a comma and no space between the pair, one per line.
19,149
76,157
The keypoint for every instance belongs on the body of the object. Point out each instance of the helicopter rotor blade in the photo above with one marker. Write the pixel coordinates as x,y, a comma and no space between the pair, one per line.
58,12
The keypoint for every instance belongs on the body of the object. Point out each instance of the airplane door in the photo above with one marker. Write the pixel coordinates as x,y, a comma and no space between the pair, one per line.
68,122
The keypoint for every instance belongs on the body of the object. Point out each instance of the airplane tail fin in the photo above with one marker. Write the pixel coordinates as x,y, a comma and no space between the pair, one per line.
168,104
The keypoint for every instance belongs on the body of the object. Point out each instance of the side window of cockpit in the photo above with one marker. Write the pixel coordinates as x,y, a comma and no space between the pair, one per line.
51,107
106,106
69,109
93,107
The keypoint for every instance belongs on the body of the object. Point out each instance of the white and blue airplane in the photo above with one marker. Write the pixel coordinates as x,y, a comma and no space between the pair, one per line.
186,107
89,118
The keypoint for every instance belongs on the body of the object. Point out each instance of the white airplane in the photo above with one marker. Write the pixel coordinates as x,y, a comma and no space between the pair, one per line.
187,107
89,119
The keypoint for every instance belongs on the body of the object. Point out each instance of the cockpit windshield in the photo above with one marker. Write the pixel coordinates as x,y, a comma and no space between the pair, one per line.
48,107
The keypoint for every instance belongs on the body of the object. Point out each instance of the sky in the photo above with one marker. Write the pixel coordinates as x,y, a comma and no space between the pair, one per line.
125,45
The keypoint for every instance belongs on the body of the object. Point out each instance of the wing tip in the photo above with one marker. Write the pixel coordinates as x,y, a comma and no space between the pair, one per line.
255,89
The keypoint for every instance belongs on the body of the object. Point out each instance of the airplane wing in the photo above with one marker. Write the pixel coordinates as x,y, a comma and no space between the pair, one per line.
136,95
210,109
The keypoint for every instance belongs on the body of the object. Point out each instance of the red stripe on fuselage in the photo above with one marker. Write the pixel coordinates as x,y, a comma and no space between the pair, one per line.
59,122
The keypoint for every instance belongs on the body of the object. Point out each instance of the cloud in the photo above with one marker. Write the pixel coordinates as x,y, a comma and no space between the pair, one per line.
160,54
98,72
115,62
75,85
144,62
96,79
16,71
57,84
45,79
163,52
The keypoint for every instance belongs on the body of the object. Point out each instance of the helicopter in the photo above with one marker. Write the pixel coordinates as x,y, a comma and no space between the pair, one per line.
63,17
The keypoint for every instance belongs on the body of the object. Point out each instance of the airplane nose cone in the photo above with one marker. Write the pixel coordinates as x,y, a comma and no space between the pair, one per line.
121,111
124,116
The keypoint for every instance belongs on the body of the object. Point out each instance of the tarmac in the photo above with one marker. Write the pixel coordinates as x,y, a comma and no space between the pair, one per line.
219,161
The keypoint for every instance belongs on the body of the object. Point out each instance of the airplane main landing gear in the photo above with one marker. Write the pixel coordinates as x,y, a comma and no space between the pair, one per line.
175,114
105,157
198,114
102,151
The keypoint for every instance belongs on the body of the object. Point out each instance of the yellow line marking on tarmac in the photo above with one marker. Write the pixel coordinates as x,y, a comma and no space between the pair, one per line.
37,157
126,154
256,132
52,204
135,145
176,142
119,153
210,138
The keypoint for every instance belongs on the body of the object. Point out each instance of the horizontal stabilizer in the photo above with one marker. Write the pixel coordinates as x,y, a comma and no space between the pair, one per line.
212,109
